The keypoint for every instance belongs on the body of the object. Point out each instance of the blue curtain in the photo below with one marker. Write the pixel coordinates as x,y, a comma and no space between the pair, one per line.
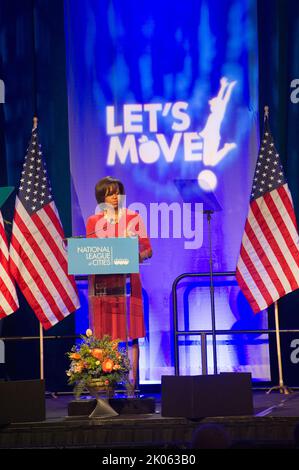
32,65
278,30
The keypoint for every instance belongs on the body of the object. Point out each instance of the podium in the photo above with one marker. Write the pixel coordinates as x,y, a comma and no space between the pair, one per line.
104,256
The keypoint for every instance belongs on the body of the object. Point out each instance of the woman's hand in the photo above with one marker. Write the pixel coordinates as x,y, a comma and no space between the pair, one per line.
145,254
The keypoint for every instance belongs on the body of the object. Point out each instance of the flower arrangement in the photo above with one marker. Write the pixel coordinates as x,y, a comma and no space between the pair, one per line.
97,363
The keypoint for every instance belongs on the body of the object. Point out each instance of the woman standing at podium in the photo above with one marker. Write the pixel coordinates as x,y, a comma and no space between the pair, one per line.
108,310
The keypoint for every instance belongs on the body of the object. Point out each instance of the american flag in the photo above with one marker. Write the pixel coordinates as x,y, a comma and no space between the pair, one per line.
38,258
8,297
268,264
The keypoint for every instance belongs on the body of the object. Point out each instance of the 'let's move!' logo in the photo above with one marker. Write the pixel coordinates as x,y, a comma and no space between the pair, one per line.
137,134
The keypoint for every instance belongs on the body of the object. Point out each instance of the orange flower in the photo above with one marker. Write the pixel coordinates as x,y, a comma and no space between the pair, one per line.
75,356
97,353
107,365
78,367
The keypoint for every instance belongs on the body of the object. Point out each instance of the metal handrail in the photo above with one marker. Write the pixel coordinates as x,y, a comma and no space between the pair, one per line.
232,332
204,333
21,338
175,317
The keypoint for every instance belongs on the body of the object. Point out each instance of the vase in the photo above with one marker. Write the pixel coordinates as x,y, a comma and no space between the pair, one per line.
100,391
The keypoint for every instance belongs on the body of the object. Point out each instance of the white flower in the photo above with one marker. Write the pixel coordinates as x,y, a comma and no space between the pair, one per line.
88,332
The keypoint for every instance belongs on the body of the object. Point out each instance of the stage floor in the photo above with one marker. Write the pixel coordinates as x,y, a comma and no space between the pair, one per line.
275,417
272,404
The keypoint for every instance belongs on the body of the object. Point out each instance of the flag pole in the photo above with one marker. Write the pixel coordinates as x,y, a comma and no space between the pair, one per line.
41,351
41,332
281,387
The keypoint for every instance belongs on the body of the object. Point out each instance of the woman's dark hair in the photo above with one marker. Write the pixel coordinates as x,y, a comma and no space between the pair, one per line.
107,186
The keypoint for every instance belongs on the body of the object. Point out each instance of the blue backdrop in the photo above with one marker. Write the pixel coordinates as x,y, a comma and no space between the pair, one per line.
160,92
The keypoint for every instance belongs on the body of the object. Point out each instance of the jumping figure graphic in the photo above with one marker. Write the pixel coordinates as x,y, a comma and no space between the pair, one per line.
212,155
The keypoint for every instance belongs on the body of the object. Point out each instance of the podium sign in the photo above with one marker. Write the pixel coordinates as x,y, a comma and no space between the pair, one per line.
103,255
